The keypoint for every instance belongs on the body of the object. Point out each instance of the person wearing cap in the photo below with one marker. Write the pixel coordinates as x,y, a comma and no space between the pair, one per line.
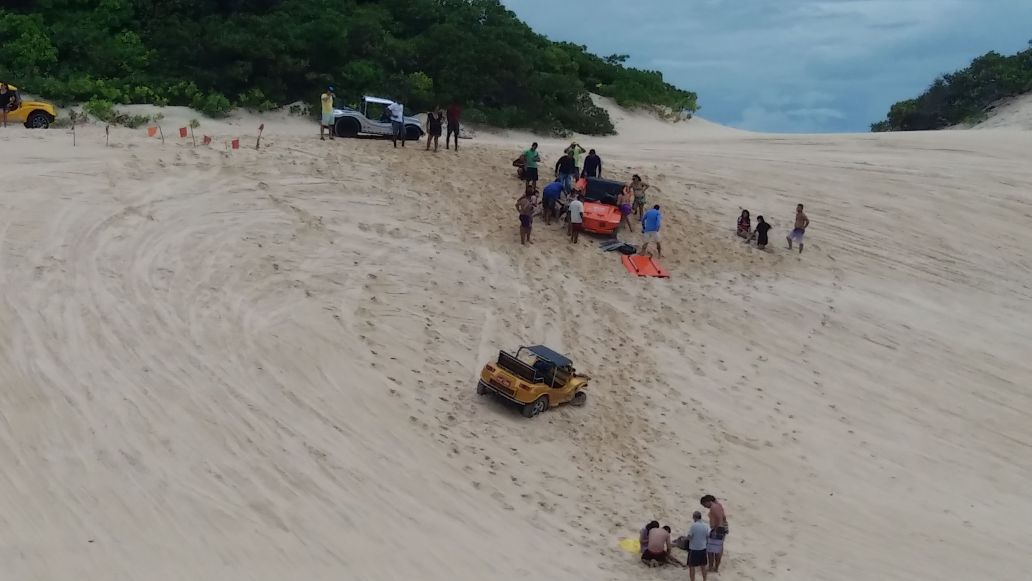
327,113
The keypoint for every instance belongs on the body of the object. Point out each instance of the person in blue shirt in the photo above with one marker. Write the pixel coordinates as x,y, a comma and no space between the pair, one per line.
650,224
550,200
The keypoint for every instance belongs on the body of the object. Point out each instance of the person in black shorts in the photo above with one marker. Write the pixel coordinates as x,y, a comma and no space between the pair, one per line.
434,121
8,100
454,116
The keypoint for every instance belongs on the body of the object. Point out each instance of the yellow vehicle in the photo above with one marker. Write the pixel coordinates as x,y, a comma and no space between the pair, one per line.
33,114
536,378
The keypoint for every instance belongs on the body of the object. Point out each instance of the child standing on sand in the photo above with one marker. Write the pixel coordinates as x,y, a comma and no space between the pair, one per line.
760,234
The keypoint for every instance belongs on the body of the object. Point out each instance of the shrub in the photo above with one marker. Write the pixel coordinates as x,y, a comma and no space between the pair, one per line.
213,105
100,109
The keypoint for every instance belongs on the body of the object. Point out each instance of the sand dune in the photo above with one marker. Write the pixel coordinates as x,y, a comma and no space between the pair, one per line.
260,364
1013,113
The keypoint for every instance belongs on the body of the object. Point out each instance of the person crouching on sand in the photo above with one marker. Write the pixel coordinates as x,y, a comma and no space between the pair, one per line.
525,206
760,234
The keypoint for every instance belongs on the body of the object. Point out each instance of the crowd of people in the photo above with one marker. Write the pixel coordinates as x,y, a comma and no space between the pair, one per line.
563,198
759,234
703,541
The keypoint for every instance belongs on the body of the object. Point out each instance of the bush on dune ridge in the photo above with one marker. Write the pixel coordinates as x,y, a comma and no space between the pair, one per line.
964,96
206,53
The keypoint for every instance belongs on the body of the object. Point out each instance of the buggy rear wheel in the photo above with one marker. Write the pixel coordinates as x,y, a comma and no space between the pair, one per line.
580,398
532,409
481,390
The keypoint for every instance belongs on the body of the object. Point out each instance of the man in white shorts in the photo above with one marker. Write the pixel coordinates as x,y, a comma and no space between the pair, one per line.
799,230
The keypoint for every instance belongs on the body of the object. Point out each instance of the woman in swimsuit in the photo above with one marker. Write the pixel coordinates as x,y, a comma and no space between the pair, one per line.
638,187
625,202
744,225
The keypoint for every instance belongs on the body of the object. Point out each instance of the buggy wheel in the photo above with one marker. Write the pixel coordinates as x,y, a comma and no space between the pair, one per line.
580,398
346,127
38,120
481,390
532,409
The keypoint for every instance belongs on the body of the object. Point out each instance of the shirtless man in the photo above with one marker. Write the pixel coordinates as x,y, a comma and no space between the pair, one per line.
525,206
799,230
718,530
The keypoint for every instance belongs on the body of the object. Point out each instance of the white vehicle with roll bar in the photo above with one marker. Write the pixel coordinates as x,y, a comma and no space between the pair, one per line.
350,122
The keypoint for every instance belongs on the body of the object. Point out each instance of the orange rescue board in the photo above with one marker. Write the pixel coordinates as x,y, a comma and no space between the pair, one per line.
639,265
601,218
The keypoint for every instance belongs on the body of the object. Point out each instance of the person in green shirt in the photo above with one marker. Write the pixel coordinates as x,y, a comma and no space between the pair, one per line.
531,157
577,153
326,100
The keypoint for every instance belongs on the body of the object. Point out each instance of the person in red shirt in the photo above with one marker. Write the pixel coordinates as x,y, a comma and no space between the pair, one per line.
454,114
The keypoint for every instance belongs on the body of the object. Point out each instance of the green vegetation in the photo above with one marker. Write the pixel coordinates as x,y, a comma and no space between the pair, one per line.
105,111
963,96
214,55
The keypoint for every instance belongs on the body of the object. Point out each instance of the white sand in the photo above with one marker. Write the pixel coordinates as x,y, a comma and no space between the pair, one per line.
1011,114
260,365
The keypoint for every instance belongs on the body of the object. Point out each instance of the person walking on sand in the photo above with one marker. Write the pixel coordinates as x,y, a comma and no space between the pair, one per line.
576,212
397,111
326,125
650,224
744,226
525,206
799,230
454,117
760,234
639,188
531,157
698,538
434,120
718,531
625,202
592,166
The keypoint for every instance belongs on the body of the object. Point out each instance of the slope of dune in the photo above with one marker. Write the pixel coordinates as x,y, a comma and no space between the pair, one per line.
1013,113
260,364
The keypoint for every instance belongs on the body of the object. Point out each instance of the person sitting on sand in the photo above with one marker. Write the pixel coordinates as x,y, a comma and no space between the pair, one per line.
744,225
643,535
625,202
658,548
639,188
525,206
760,234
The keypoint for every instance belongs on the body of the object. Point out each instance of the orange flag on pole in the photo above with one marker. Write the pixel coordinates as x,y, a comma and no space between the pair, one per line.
183,132
236,143
152,131
207,140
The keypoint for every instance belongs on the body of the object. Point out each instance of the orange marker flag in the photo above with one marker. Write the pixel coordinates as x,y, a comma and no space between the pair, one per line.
236,143
183,132
152,131
207,140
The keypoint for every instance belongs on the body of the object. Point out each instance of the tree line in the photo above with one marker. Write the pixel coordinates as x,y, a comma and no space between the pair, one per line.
964,96
214,55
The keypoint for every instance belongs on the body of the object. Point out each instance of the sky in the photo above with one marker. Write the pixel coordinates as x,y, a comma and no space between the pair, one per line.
790,65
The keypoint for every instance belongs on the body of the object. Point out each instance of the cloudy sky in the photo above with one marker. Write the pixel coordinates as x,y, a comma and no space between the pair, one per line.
790,65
